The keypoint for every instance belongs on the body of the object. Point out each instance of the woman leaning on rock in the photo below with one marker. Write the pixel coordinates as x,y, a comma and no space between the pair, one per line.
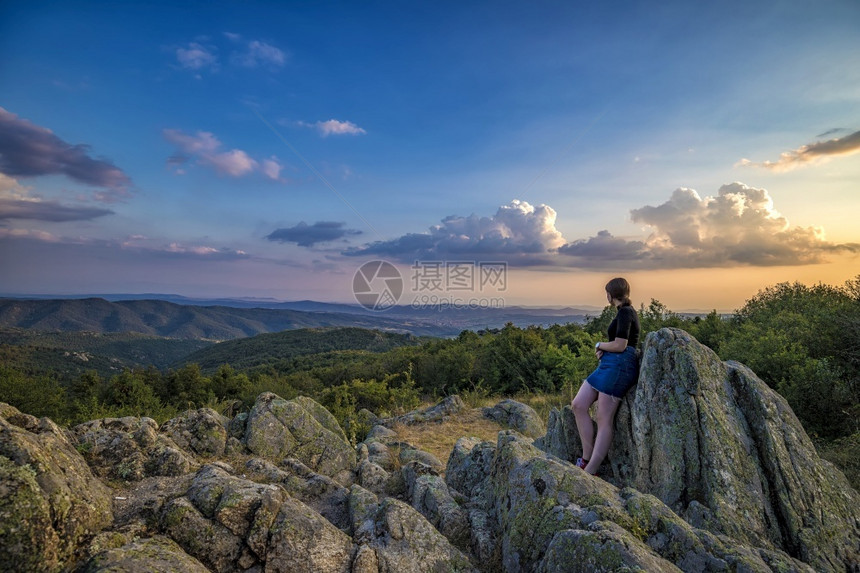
617,371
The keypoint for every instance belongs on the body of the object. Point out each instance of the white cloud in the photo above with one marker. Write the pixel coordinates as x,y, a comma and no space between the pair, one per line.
16,202
33,234
271,168
335,127
740,226
260,53
812,153
234,162
207,149
519,233
197,57
11,189
202,55
203,142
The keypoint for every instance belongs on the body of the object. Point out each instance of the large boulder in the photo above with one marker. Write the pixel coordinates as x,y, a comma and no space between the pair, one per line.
717,445
517,416
323,494
397,539
277,429
429,494
302,540
230,523
322,415
223,520
547,512
723,450
202,432
130,449
50,501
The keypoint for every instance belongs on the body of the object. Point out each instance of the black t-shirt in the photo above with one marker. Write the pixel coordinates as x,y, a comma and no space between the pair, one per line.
625,325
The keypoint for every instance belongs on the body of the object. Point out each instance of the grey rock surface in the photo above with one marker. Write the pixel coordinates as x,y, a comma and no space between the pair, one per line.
130,449
517,416
50,501
723,450
436,413
202,432
401,539
277,429
157,553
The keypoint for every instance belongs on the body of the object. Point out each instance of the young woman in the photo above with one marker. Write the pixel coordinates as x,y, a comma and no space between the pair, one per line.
617,371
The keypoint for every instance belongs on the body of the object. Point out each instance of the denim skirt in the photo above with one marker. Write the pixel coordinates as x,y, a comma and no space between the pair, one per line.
616,373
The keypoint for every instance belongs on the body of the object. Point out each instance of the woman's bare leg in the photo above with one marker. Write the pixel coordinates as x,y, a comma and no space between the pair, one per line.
580,405
606,408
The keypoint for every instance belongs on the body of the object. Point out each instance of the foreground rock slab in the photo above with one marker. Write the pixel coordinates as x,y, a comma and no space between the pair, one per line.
549,515
50,501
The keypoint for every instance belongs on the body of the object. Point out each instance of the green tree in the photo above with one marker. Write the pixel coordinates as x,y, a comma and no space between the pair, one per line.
38,395
227,384
128,394
188,387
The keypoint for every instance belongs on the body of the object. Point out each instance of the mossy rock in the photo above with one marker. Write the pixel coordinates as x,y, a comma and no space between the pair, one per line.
144,556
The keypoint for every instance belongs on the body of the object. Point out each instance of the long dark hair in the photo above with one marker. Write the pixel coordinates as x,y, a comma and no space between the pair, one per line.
619,289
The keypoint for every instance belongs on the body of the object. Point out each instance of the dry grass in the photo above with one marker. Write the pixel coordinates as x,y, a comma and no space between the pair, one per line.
439,439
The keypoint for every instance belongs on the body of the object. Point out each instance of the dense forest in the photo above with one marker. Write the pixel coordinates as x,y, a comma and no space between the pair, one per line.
801,340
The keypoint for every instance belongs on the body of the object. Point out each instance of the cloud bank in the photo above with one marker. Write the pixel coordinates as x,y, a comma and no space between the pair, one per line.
518,233
305,235
134,244
16,202
737,227
811,153
207,149
28,150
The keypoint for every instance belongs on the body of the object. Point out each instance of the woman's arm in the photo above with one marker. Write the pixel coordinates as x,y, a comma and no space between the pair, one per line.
617,345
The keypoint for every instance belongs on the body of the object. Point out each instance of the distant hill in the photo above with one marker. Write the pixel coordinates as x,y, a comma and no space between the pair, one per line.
73,353
161,318
216,323
282,347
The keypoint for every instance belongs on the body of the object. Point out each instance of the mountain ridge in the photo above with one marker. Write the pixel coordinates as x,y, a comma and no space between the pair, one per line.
216,322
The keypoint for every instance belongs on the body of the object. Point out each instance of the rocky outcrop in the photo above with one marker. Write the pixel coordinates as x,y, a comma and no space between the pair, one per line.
50,502
723,450
709,471
130,449
394,538
436,413
517,416
277,429
157,553
547,514
319,492
230,524
202,432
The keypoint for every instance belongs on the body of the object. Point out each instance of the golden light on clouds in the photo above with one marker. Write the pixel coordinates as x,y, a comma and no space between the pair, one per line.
812,153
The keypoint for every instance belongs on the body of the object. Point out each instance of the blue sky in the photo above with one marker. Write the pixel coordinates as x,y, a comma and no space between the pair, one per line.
265,149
